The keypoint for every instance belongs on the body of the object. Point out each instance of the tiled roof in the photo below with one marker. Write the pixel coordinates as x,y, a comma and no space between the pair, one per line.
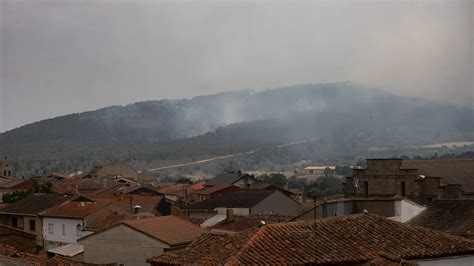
223,179
351,239
451,171
174,189
78,186
108,220
198,186
170,229
210,190
35,204
454,217
243,198
11,256
259,185
17,184
242,223
146,201
226,179
74,209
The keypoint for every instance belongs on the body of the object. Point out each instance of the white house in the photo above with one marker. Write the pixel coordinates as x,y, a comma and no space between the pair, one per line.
66,223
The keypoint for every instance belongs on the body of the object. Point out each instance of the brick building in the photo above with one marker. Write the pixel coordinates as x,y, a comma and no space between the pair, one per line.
419,180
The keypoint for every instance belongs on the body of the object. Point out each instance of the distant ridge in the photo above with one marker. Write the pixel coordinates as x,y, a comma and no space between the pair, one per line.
345,115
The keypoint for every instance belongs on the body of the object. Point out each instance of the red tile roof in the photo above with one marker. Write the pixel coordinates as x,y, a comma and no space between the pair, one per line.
243,223
146,201
175,189
211,190
110,219
452,216
17,184
337,240
198,186
74,209
170,229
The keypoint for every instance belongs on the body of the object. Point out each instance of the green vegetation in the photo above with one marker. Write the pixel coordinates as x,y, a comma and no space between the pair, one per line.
274,179
324,186
35,188
339,121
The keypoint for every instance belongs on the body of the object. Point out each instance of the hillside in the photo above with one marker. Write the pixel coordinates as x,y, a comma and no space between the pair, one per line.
343,117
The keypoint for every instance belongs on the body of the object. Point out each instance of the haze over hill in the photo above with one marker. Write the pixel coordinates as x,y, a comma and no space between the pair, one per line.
347,116
60,57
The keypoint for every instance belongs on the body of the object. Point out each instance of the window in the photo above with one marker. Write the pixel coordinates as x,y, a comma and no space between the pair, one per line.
402,188
64,229
51,229
9,173
32,225
366,189
14,222
4,173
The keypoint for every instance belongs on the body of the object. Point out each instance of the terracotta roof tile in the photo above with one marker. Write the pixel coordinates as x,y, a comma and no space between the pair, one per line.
242,223
170,229
337,240
210,190
243,198
454,217
198,186
146,201
17,184
175,189
110,219
74,209
35,204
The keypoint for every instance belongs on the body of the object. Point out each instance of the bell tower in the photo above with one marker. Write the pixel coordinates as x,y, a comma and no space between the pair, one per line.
6,168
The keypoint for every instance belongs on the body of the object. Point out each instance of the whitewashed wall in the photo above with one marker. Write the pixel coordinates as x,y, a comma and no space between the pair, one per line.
70,234
406,210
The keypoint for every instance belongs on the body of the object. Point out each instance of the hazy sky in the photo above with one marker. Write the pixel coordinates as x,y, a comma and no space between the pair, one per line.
58,57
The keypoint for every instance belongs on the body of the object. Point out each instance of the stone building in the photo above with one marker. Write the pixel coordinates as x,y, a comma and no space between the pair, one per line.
418,180
6,169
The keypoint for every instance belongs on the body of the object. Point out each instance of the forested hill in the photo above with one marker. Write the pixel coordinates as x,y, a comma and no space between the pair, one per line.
346,115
